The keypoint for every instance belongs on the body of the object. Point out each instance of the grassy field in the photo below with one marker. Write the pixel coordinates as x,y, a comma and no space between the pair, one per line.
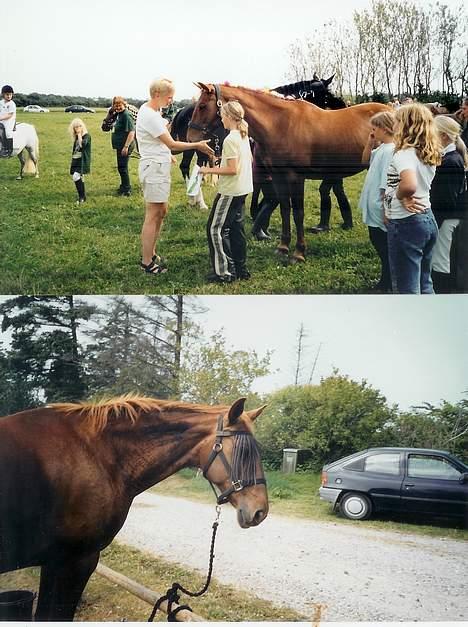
105,601
48,244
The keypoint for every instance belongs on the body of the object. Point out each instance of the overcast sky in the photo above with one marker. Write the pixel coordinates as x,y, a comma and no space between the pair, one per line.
94,48
412,349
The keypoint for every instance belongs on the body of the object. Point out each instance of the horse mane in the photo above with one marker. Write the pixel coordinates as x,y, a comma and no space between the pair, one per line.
96,415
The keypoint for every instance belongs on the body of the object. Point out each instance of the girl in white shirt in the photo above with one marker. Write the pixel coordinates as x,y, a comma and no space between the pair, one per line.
412,230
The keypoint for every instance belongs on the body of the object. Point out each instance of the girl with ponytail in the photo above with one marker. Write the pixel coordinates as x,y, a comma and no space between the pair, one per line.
225,228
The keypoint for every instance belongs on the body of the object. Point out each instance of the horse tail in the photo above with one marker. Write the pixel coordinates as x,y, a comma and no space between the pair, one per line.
32,156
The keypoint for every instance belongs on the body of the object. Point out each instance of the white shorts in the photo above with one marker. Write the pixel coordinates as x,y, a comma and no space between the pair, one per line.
155,179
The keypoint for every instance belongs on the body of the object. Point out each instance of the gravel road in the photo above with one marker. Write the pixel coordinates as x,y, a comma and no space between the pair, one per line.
347,573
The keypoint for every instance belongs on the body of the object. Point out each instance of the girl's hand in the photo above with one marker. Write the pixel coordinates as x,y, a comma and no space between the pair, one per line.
173,160
413,204
124,151
204,170
203,147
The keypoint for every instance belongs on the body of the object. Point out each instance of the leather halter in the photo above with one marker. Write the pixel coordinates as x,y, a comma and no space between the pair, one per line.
217,451
209,131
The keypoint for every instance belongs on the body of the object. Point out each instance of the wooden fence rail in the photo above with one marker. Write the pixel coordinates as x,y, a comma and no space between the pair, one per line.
145,594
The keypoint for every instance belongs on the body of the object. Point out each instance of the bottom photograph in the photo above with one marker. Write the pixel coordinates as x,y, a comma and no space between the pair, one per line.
233,458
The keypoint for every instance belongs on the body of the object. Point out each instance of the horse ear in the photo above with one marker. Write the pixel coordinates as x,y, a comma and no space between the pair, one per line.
236,410
329,80
255,413
202,86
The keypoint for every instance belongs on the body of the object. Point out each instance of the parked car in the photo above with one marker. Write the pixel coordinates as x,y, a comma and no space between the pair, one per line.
78,109
407,480
35,109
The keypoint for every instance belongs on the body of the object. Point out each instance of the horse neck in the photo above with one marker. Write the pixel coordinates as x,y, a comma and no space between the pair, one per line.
149,452
257,106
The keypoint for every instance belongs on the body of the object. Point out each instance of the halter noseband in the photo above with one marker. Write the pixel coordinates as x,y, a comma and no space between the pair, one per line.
217,451
209,131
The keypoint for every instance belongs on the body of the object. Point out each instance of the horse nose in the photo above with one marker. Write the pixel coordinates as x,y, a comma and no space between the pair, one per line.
259,515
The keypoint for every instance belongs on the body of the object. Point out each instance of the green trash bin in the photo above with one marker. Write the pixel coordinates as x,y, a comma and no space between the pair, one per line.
16,605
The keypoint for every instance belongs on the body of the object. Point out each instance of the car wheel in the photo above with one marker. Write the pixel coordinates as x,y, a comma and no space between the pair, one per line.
356,506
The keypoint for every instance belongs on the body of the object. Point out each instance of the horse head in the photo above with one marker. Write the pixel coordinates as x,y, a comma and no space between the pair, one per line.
206,118
230,460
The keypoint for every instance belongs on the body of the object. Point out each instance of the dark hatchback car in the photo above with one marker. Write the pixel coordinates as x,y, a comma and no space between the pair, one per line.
78,109
405,480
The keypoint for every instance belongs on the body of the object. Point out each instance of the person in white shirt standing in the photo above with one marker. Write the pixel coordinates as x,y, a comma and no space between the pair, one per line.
411,227
155,145
7,120
225,227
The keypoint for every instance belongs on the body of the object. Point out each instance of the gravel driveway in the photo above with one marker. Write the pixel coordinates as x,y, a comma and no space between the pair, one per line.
349,573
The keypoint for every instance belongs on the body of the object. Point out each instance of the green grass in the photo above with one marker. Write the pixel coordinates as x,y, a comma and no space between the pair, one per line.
105,601
50,245
296,495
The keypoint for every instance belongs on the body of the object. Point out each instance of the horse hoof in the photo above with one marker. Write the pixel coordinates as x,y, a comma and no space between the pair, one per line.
297,259
19,178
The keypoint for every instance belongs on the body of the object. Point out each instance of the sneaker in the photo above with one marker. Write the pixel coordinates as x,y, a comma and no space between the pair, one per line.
212,277
243,275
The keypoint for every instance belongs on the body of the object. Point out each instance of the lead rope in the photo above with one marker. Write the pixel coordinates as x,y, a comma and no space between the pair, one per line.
172,595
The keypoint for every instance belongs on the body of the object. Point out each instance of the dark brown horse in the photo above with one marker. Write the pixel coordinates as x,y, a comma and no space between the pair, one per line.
69,473
296,140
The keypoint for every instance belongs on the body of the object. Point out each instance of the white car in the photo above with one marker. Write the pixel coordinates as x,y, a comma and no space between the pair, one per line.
35,109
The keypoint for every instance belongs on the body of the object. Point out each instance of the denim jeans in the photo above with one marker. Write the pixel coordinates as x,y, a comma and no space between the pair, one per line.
411,241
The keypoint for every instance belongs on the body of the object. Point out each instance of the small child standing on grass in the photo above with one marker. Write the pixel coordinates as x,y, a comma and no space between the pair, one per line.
81,156
225,227
378,152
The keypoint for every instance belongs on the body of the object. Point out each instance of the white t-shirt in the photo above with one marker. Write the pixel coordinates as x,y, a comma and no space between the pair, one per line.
8,107
149,126
241,183
407,159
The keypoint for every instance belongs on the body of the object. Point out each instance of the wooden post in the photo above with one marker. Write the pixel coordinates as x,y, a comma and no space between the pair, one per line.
145,593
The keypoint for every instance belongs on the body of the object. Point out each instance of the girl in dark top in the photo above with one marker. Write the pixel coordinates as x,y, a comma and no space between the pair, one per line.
447,191
123,135
81,156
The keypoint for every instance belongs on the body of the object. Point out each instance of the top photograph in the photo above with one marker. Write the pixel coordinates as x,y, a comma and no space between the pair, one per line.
248,149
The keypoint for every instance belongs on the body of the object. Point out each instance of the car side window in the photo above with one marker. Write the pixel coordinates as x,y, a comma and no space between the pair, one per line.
431,466
384,463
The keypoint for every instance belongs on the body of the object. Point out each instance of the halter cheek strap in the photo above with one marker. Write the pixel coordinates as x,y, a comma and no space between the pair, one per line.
207,130
217,451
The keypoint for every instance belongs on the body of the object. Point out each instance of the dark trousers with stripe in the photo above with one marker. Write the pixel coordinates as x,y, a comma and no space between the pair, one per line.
226,236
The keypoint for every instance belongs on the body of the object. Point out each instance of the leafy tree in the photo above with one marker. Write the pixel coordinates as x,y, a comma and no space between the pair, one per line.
427,426
44,352
333,419
213,373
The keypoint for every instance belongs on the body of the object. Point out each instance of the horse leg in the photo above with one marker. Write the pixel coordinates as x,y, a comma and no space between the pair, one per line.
61,587
281,186
185,163
254,201
22,162
297,199
34,158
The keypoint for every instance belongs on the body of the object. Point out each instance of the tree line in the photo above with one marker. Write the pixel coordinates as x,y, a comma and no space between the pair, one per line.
57,101
64,348
395,47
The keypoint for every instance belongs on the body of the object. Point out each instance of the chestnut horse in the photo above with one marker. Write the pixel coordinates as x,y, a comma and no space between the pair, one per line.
69,473
295,139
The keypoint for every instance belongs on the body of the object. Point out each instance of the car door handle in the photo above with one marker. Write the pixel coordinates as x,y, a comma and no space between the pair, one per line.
409,485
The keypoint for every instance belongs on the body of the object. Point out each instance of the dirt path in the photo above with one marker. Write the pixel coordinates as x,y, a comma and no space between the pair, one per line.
347,573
